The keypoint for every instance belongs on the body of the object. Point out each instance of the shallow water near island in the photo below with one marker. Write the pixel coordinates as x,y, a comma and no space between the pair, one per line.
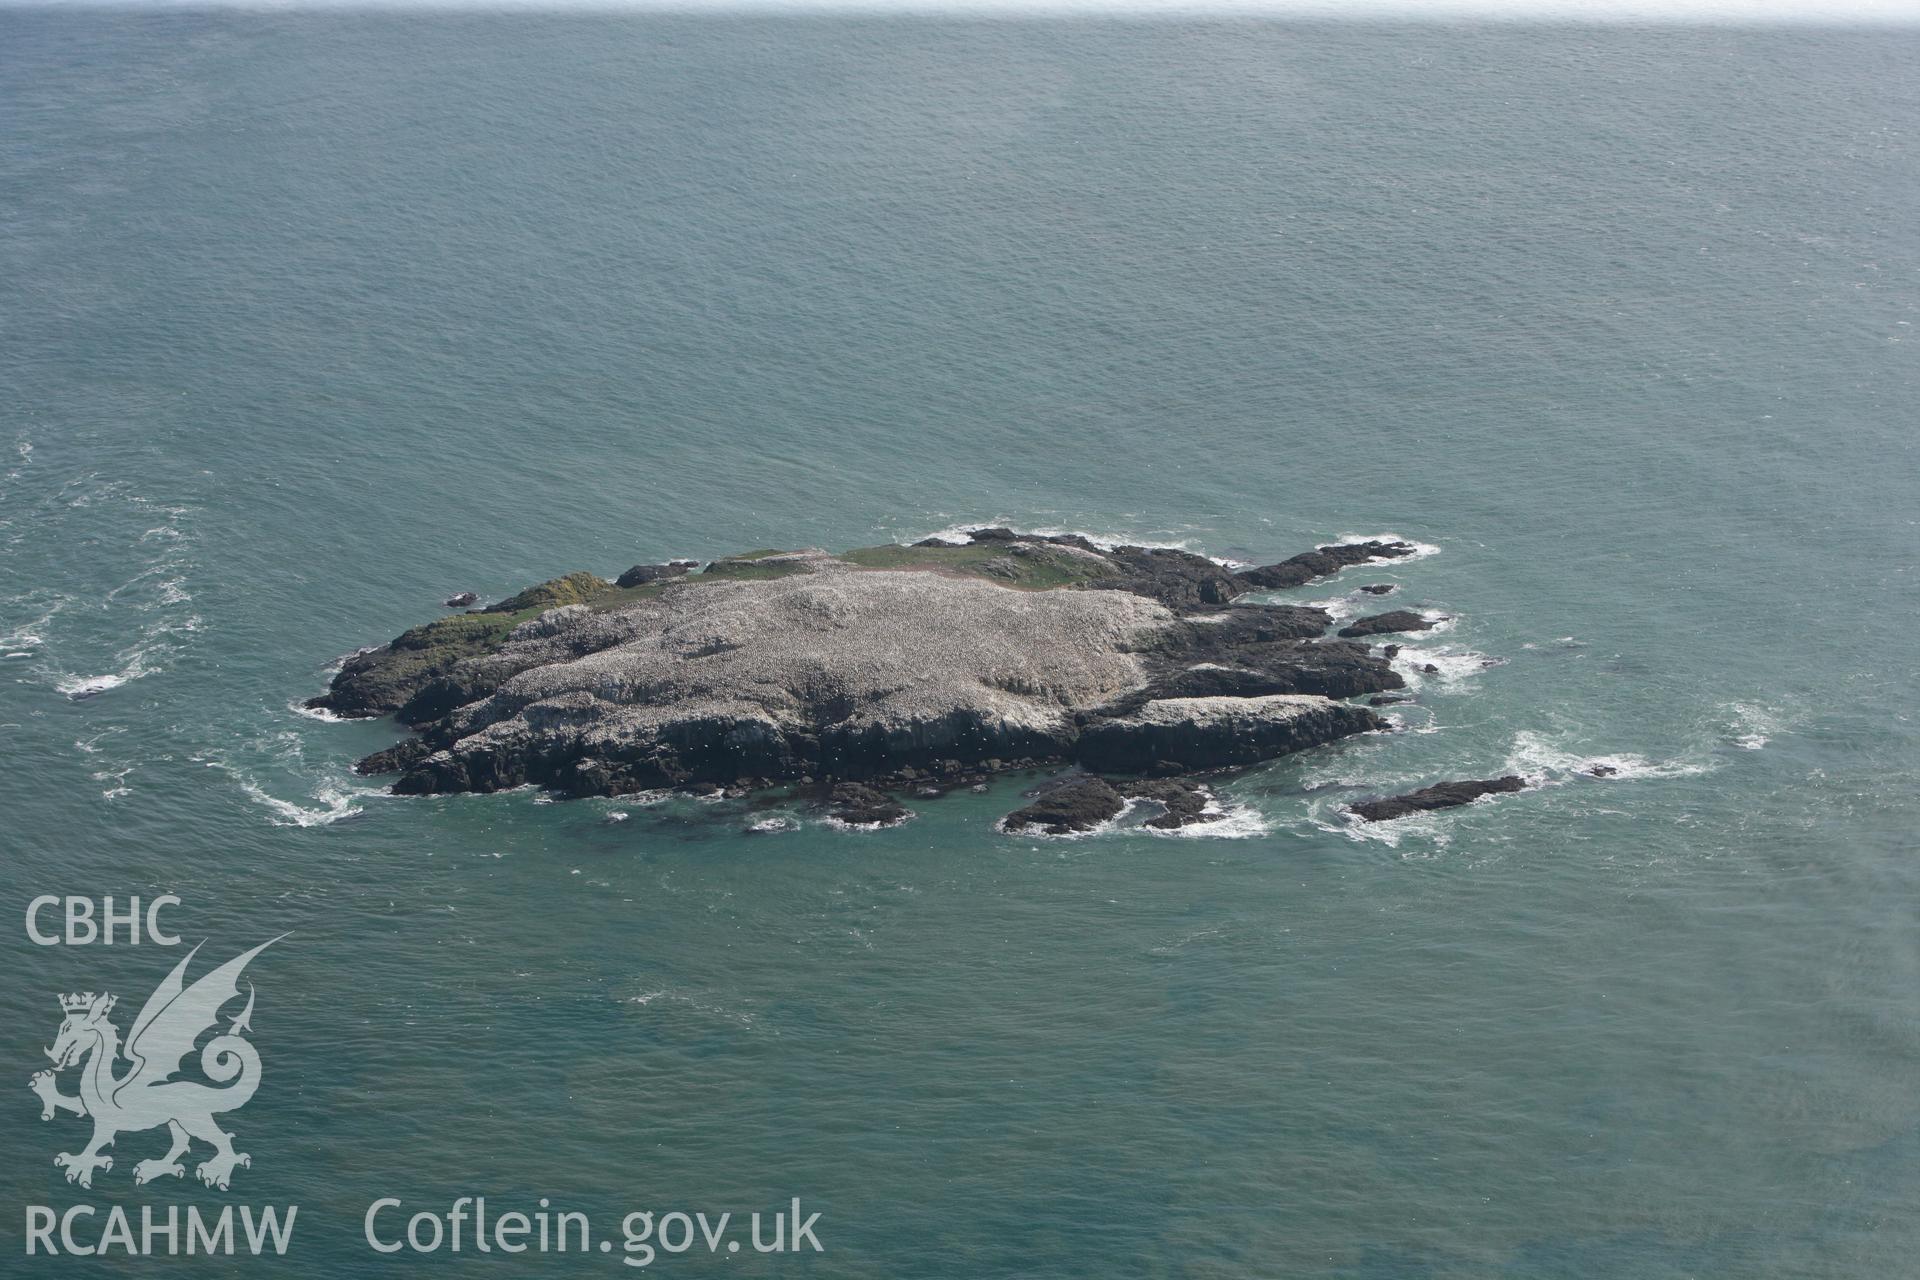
318,320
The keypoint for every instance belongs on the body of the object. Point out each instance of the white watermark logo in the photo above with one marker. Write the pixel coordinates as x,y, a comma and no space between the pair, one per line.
145,1095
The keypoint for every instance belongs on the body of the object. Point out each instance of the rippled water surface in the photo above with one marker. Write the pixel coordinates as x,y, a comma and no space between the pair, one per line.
310,321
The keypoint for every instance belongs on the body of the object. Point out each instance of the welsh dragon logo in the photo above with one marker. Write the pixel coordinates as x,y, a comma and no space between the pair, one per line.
145,1095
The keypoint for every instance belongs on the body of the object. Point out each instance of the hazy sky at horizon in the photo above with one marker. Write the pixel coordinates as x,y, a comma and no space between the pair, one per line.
1900,12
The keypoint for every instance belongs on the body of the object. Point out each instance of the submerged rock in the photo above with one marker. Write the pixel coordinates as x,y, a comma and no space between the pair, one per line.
1381,624
1442,795
1379,588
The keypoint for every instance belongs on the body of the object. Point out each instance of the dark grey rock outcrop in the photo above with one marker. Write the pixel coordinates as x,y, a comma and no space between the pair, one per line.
1321,562
920,668
1390,623
641,574
857,805
1075,805
1185,734
1442,795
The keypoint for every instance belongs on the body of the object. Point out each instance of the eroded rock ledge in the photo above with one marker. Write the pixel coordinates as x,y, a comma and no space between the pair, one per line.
877,667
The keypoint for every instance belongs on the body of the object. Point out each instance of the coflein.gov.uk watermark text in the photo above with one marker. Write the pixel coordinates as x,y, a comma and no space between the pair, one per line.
467,1225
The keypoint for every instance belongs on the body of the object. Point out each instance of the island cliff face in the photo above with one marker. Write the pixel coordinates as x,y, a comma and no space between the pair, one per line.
880,666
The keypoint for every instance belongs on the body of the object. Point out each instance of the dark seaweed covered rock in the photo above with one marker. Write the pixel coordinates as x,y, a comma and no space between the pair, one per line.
1381,624
862,806
1078,804
1379,588
1182,802
1442,795
461,600
1321,562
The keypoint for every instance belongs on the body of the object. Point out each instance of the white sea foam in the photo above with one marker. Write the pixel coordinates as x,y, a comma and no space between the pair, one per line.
333,668
1220,821
329,798
1453,668
334,802
1411,718
1421,550
1750,726
118,780
664,995
321,714
1179,944
1115,823
80,688
91,746
1544,762
1428,830
140,659
27,636
1340,608
864,827
958,535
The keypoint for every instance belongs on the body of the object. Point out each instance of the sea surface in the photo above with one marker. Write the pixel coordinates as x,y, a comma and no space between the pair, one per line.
308,320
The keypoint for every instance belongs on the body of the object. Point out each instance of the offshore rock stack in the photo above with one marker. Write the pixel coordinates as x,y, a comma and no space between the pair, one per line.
887,668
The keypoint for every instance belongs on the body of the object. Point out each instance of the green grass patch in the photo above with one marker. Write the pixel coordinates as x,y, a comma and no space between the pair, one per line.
1041,568
573,588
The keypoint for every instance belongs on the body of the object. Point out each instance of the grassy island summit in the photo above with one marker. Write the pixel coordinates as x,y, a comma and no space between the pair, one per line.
879,670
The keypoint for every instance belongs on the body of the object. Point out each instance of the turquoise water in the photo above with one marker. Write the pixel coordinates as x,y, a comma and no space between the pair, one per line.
310,321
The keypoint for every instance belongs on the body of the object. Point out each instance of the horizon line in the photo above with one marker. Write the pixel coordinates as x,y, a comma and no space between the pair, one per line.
1710,14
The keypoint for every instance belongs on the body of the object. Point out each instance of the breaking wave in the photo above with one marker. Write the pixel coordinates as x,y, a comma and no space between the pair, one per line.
1421,550
956,535
1750,726
1543,762
329,796
1220,820
1453,669
334,802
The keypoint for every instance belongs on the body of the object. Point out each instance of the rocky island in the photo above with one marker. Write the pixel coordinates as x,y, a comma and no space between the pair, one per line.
877,671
